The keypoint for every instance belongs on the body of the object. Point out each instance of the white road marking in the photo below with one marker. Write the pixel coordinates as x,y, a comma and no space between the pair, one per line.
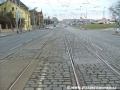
2,41
22,36
36,37
104,61
97,46
15,46
28,40
2,61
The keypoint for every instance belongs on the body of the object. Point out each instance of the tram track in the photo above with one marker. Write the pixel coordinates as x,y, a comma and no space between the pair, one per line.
13,83
14,53
70,54
92,50
88,45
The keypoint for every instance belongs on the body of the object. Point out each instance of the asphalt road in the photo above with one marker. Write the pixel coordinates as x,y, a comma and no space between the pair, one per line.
11,42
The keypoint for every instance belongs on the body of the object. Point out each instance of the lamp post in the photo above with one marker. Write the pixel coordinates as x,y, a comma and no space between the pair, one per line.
28,20
34,17
16,20
20,16
16,16
86,12
46,19
86,18
104,12
76,16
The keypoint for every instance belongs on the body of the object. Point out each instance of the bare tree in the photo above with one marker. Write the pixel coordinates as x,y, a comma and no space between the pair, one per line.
115,9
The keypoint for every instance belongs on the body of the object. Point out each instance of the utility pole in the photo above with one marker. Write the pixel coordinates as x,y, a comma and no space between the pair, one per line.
20,16
28,20
16,16
104,12
34,17
75,17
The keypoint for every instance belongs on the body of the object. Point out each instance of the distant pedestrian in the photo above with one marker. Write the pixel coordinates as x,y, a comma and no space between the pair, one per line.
118,26
12,29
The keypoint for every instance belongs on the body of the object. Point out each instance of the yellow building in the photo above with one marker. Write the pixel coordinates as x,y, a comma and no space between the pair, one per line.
20,14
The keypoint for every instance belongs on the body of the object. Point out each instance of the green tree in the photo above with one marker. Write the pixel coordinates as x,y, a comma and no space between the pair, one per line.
6,16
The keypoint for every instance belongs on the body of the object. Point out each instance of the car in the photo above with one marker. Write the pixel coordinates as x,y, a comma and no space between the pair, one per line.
47,27
51,27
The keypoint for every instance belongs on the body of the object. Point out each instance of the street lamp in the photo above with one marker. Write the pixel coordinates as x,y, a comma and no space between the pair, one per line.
34,17
46,19
76,16
28,20
16,20
86,12
86,18
104,12
20,16
16,16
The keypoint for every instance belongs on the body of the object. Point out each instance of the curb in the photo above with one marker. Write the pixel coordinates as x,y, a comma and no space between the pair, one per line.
14,33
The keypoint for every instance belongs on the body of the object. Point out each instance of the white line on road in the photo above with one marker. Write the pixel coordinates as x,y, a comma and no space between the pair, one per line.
36,37
2,41
2,61
15,46
22,36
28,40
97,46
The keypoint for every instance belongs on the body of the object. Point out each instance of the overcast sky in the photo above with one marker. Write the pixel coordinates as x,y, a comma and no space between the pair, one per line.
72,8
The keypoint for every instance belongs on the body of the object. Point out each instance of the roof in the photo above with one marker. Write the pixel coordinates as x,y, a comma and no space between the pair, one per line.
22,5
104,20
1,3
40,12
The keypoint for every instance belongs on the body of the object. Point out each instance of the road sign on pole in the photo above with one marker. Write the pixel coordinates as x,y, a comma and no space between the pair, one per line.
119,18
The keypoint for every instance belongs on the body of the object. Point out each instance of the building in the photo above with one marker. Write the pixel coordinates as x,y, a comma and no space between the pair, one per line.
104,21
20,16
41,22
36,19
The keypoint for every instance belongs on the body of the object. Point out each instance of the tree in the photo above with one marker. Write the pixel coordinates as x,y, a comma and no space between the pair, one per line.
115,9
6,16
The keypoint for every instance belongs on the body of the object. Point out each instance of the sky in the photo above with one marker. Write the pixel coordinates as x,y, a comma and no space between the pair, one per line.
72,9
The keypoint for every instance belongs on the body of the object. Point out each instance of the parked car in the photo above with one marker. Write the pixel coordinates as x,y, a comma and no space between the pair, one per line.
50,27
47,27
65,25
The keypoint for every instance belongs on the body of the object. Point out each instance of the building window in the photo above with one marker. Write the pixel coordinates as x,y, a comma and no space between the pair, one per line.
12,8
4,8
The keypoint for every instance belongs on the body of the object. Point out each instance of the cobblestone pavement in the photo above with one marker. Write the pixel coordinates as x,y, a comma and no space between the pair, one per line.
92,71
54,71
17,60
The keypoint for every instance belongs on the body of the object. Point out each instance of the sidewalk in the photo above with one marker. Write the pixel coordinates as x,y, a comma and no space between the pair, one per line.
10,32
112,31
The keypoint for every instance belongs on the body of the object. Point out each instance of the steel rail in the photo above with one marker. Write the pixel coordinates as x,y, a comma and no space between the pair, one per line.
27,66
110,66
69,49
22,72
5,58
118,73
